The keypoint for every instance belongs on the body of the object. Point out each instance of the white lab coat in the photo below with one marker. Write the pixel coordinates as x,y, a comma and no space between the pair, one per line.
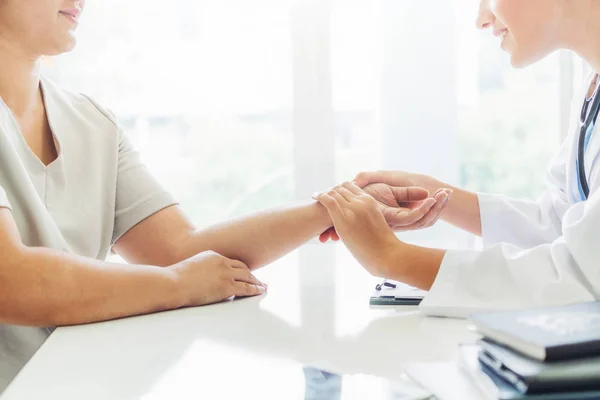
536,253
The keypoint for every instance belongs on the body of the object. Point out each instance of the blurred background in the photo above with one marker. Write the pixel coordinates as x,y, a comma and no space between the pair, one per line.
238,105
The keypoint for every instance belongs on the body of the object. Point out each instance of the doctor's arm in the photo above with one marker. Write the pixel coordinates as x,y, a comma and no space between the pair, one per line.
257,239
461,282
496,218
505,276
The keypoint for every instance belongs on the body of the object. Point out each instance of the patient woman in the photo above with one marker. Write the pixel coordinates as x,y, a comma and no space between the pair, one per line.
72,187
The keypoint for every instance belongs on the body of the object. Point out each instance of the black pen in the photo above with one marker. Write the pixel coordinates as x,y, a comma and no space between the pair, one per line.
385,283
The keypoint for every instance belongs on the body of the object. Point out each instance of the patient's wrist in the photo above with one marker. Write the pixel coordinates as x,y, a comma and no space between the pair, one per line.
428,182
322,215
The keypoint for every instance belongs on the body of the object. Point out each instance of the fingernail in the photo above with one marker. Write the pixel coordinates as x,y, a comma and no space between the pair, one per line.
265,285
315,194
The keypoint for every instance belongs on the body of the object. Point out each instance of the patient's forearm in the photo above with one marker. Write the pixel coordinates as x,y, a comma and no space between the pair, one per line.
261,238
45,287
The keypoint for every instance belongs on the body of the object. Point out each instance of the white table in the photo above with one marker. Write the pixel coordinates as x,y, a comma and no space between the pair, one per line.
316,315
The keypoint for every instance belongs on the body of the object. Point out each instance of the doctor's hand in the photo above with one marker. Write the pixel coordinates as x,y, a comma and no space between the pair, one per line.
358,221
404,208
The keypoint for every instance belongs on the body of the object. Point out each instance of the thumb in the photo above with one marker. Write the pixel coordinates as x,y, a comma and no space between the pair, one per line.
402,194
365,178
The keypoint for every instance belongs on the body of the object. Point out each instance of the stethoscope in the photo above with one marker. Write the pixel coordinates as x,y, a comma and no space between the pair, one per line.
589,114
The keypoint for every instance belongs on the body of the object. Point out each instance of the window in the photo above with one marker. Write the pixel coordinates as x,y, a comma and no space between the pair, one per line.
204,91
425,91
238,105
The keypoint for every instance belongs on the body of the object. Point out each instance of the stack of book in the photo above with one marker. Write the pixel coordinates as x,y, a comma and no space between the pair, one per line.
550,353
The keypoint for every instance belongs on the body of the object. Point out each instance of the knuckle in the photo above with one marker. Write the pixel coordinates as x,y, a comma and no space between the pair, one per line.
227,276
224,262
205,256
211,253
327,200
249,289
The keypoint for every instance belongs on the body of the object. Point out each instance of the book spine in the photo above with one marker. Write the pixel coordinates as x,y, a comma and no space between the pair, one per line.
573,350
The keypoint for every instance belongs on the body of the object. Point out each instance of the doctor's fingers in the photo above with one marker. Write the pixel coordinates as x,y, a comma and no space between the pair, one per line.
358,201
435,212
333,235
353,194
329,234
340,198
347,195
333,207
353,187
325,236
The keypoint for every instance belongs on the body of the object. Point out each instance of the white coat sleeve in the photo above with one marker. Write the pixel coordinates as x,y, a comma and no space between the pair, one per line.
563,271
526,223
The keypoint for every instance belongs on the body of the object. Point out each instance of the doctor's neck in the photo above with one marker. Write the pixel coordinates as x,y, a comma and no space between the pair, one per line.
581,30
20,77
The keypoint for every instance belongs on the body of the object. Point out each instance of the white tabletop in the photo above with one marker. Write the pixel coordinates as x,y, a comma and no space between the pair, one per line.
316,316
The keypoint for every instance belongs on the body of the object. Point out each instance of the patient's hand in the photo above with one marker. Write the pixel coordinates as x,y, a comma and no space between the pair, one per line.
404,208
408,208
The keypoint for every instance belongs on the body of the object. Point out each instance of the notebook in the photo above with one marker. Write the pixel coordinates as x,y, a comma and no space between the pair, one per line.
545,334
494,387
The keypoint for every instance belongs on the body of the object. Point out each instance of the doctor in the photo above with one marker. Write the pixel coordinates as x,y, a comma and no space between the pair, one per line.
537,253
